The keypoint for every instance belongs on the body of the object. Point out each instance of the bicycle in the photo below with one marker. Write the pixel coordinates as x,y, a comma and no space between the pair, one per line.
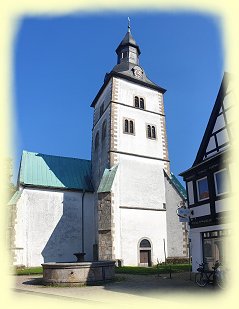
204,277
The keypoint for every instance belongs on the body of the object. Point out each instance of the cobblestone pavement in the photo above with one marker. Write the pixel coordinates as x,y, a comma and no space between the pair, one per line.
125,286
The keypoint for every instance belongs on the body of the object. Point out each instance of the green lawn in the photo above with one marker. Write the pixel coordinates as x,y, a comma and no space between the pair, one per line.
162,269
28,271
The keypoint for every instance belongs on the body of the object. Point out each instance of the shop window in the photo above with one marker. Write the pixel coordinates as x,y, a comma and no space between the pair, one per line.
212,248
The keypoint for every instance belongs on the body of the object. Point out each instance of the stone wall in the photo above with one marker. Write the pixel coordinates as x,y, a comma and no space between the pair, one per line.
104,226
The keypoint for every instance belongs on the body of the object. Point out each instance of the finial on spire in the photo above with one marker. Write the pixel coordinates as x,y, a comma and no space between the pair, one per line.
128,24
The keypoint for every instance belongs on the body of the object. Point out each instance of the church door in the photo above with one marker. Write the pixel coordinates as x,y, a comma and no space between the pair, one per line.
145,253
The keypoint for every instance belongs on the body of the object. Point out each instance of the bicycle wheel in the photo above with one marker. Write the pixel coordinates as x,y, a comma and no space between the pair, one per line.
201,279
220,280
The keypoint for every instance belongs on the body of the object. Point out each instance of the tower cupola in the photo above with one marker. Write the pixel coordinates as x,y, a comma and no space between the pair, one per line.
128,50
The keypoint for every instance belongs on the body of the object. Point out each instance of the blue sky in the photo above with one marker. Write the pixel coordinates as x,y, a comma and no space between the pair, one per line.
60,64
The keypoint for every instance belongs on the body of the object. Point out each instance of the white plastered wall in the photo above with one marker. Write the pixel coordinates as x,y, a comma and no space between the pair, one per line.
138,185
48,226
176,233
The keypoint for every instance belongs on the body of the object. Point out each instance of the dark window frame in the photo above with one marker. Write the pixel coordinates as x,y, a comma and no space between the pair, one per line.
216,184
198,189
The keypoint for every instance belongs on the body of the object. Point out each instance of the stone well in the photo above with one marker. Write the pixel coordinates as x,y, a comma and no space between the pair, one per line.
78,272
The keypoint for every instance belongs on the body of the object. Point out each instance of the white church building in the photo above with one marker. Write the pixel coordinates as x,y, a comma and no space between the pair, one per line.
119,206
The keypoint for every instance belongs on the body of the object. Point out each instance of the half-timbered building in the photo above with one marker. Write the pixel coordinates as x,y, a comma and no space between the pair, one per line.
208,184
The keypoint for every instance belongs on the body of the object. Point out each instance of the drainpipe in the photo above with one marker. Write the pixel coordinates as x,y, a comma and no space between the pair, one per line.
82,221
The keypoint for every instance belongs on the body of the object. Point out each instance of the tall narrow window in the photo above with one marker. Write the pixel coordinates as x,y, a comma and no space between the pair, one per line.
126,126
202,189
141,103
104,130
97,140
129,126
151,131
124,54
220,183
136,102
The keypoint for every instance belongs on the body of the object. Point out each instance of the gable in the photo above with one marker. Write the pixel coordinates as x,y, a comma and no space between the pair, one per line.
49,171
217,134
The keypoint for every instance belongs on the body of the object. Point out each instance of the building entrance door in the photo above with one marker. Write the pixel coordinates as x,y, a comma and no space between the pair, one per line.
145,259
145,253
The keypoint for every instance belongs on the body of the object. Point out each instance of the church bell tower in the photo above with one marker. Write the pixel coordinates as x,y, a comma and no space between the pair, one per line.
129,159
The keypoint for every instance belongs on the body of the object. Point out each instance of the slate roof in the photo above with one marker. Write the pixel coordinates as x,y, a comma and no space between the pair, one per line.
128,40
41,170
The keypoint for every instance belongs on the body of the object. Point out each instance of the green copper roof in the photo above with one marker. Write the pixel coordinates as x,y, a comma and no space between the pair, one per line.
178,185
53,171
107,179
14,198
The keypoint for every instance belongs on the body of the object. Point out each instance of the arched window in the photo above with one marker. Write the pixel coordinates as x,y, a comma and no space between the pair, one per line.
149,131
153,132
141,103
145,244
97,140
104,130
126,126
131,126
136,102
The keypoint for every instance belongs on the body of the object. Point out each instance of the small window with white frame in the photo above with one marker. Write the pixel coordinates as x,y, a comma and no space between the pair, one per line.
219,180
202,189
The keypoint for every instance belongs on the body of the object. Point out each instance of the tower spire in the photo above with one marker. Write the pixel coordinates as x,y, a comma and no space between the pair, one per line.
128,24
